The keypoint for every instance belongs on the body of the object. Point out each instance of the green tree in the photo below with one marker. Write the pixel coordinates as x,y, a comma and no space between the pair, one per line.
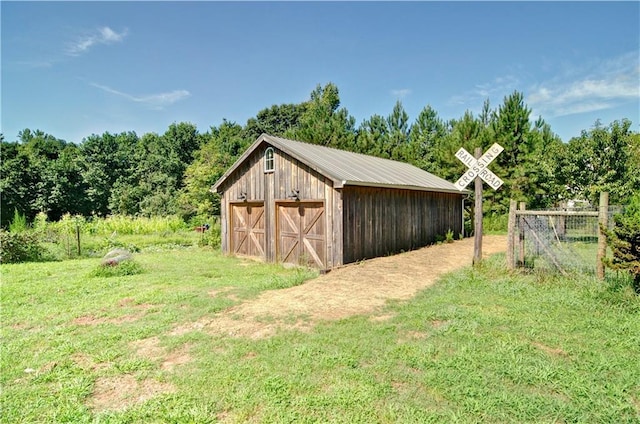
543,189
373,137
158,167
221,149
105,159
426,136
17,184
601,159
624,240
398,123
526,165
276,120
465,132
41,173
511,129
323,123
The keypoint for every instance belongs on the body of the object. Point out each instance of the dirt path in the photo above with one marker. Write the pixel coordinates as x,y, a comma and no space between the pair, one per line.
361,288
355,289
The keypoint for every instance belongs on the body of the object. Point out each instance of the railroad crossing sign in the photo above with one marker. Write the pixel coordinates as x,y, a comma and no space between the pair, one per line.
478,167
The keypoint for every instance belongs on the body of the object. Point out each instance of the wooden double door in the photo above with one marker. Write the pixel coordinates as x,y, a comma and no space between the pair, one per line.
300,233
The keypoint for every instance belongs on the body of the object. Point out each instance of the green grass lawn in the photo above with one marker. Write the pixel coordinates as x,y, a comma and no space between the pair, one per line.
483,345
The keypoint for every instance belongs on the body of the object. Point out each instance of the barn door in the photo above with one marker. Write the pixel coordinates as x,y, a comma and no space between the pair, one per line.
247,224
301,233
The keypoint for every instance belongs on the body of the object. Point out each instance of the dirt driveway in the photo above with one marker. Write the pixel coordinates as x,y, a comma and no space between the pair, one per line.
355,289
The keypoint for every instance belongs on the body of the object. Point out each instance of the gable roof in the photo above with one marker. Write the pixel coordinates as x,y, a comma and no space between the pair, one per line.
348,168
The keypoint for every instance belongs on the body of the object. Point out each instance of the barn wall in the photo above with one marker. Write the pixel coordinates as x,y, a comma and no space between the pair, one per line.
380,221
248,178
289,174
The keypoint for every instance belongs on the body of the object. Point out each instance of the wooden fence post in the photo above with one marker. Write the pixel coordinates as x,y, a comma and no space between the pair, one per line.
522,206
511,232
78,240
603,215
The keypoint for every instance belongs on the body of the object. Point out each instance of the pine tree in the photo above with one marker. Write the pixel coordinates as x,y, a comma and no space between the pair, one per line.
624,240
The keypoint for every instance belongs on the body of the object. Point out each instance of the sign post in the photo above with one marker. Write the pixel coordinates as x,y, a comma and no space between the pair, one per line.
478,172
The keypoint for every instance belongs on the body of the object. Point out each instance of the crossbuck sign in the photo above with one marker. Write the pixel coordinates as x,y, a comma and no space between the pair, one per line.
478,167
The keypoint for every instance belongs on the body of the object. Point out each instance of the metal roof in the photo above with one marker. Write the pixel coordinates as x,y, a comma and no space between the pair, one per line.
349,168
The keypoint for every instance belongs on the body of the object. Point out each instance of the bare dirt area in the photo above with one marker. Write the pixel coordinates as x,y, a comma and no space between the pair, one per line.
356,289
119,393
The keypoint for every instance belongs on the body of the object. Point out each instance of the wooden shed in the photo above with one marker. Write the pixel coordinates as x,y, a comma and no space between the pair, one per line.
288,201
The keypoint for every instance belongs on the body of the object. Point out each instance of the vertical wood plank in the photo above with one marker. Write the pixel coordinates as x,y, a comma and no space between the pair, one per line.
270,221
603,216
224,241
338,229
521,207
329,224
511,231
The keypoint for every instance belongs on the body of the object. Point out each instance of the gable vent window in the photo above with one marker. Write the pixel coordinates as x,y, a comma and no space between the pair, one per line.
269,161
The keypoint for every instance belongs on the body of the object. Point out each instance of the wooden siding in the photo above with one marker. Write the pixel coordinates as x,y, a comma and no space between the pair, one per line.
380,221
272,187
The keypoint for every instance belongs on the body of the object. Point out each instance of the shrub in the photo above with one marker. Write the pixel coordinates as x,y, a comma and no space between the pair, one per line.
211,237
624,240
20,247
19,222
128,267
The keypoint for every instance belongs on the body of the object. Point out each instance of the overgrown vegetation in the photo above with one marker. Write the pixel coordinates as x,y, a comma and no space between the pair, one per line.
483,345
76,236
128,267
20,247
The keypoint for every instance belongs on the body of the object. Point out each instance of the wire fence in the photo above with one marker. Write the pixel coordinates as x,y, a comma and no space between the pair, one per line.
559,240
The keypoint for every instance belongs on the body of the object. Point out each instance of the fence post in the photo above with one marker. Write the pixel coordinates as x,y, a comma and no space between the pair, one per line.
562,221
511,232
521,206
603,212
78,239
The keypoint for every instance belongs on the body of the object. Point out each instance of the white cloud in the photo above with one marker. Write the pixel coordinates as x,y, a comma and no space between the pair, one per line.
499,86
401,93
110,36
580,88
604,86
104,35
155,101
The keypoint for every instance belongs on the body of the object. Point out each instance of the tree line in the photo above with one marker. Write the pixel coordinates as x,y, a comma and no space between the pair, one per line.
170,173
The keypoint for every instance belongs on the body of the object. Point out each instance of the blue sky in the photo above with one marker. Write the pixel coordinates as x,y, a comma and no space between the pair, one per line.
76,68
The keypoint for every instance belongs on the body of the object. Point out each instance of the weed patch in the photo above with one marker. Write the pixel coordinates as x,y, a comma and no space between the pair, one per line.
128,267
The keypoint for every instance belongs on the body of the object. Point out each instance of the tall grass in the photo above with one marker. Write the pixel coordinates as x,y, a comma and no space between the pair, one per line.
495,223
77,236
127,225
